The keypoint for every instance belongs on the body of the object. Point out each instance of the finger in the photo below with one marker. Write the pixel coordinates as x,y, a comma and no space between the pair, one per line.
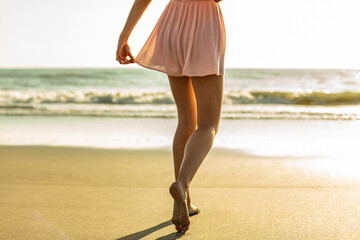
119,60
131,56
123,60
118,57
127,62
129,59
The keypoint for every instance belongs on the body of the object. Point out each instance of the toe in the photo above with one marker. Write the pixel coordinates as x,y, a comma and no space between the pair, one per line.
194,212
183,229
178,228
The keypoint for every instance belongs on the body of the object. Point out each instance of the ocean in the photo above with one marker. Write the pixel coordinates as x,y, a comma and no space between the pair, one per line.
315,94
266,112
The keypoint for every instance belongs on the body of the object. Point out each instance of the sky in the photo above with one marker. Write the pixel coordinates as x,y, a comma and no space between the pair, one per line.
260,33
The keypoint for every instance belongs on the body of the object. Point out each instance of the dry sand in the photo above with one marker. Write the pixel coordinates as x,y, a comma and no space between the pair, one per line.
87,193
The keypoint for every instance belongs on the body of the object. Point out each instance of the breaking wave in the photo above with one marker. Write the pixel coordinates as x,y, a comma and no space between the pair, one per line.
314,98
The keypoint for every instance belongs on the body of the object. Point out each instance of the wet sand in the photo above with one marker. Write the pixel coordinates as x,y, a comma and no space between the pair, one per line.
89,193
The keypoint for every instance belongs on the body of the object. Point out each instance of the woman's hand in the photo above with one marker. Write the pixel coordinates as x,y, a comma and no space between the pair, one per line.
123,54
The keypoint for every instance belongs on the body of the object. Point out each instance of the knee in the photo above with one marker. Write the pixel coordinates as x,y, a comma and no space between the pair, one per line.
187,127
213,129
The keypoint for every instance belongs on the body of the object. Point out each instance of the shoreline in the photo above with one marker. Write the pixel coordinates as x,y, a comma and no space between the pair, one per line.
278,138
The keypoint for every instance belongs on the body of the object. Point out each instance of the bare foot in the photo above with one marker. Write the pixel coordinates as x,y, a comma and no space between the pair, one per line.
193,210
180,214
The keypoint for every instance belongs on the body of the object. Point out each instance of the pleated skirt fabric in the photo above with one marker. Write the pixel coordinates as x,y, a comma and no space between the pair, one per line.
188,40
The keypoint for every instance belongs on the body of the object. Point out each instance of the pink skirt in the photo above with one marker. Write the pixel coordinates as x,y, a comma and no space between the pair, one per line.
187,40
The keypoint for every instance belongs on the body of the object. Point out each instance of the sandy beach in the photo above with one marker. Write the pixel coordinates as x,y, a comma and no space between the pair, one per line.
52,192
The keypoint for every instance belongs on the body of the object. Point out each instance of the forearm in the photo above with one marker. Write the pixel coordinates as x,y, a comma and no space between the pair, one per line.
136,12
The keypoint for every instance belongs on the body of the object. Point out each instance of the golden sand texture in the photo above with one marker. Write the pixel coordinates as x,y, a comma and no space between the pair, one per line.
86,193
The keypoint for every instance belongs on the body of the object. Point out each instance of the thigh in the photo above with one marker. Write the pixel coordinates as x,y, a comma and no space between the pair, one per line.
183,93
209,96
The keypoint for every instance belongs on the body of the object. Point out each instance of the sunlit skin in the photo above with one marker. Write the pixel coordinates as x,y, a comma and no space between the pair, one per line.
198,101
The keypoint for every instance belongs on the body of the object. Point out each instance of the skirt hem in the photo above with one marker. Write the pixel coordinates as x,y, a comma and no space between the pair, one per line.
178,75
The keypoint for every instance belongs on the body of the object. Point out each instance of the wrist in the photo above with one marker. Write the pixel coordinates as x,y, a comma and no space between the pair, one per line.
123,37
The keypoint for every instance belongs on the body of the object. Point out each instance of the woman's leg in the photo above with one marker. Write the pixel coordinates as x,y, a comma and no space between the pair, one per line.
209,94
184,96
183,93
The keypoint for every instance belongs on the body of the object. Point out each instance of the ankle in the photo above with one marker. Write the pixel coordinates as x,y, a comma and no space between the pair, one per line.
184,186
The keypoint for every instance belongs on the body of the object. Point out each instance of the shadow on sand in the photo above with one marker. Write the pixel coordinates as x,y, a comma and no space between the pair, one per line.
144,233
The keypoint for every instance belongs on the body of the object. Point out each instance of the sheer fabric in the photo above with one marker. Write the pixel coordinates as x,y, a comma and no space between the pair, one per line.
187,40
